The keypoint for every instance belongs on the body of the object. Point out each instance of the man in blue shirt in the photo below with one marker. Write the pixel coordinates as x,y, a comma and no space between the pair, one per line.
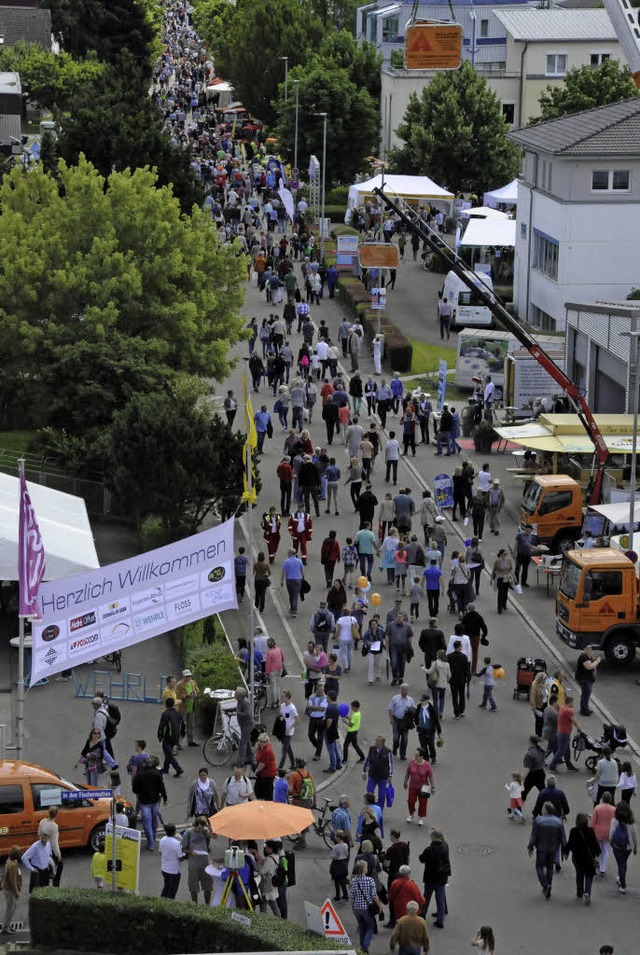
262,421
397,390
292,575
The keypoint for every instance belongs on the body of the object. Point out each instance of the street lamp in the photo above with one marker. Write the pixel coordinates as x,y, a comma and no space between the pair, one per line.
286,75
473,49
295,137
324,183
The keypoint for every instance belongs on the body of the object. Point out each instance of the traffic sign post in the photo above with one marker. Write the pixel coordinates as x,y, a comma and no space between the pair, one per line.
332,926
76,795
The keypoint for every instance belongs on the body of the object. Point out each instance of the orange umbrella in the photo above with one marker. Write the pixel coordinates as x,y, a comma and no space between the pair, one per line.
260,820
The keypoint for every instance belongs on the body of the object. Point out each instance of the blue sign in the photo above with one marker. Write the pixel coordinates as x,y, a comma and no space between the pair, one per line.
443,490
76,795
442,384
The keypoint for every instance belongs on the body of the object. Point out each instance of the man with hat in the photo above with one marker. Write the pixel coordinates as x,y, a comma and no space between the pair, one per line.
187,692
495,505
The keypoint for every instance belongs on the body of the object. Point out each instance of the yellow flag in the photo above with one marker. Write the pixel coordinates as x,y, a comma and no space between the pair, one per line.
249,495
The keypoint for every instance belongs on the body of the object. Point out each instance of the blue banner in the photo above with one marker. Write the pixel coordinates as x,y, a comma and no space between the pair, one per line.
76,795
443,490
442,384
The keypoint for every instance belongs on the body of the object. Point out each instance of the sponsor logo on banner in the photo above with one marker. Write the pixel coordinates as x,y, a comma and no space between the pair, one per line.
147,599
83,643
185,586
50,633
86,620
113,610
149,620
122,604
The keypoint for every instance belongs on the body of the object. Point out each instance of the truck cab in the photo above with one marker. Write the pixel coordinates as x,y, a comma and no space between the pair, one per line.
597,603
552,506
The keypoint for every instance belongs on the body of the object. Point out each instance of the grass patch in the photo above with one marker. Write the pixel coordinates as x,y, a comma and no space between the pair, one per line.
426,358
16,440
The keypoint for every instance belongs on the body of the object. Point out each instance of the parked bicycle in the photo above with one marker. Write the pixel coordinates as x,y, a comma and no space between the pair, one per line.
321,825
218,749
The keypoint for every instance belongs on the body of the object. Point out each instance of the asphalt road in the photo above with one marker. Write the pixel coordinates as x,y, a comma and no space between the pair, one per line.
493,880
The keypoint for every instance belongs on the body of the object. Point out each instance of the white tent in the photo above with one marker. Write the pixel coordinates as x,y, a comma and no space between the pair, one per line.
64,526
483,212
411,188
506,195
494,231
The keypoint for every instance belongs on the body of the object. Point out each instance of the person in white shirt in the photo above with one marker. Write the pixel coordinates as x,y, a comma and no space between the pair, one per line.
171,855
465,642
377,355
237,788
391,457
489,391
345,635
38,859
291,719
484,480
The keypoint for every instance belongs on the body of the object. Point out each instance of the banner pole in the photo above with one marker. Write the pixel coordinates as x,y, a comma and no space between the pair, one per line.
20,694
250,605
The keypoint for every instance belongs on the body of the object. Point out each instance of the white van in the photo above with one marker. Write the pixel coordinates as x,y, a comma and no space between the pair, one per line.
467,310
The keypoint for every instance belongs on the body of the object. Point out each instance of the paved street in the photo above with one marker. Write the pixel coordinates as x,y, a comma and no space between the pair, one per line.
493,880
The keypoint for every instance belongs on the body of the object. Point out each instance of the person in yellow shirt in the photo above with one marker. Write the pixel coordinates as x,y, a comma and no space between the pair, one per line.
352,722
187,693
170,691
99,866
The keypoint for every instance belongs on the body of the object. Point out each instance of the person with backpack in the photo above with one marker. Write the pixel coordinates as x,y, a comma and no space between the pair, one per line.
623,839
106,719
330,556
268,871
170,730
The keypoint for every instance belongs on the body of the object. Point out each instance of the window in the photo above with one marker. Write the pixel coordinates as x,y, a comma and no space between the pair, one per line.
542,320
390,28
597,59
570,579
545,254
602,583
555,501
484,28
610,180
45,795
11,800
509,113
556,64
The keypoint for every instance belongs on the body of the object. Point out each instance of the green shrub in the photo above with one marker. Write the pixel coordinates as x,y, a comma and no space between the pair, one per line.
84,920
399,352
153,533
344,230
339,195
213,666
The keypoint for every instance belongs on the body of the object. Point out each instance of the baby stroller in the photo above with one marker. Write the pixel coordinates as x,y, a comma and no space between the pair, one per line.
526,670
613,737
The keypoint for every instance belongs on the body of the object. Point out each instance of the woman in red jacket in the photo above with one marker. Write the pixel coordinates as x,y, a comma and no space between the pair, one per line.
265,768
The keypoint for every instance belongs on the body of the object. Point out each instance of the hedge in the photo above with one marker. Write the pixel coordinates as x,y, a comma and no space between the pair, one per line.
88,920
399,352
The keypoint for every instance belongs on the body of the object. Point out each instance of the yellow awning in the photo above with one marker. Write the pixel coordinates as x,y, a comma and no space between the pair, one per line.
566,434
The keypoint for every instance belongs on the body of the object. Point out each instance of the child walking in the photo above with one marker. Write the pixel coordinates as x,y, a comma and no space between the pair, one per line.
515,789
627,782
99,866
415,596
349,561
488,682
400,559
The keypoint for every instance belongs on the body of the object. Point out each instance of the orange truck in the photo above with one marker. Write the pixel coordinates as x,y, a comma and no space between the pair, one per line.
552,505
597,603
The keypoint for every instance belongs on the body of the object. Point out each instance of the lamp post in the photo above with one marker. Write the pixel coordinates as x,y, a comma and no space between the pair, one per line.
295,135
286,76
324,183
473,49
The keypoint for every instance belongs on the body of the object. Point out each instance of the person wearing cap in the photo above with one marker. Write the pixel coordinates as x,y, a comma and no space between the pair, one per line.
495,505
187,692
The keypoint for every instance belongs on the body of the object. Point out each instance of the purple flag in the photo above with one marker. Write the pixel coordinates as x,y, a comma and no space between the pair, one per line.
31,557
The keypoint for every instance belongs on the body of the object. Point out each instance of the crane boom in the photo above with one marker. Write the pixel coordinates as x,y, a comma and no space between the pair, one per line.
625,19
582,409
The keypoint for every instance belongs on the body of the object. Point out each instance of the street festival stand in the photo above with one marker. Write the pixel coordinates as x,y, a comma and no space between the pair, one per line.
416,190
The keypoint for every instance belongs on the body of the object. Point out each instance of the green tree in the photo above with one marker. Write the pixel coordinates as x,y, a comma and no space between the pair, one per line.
171,458
456,134
361,60
352,119
634,295
106,26
114,123
98,261
49,79
212,20
258,35
585,88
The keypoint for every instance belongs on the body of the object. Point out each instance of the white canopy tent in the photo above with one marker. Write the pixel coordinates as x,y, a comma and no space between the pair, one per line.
410,188
483,212
506,195
493,231
64,526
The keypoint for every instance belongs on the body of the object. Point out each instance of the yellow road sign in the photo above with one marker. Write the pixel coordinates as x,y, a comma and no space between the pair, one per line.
433,46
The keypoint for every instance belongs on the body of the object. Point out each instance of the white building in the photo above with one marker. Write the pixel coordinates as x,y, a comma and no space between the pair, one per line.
577,234
529,49
601,355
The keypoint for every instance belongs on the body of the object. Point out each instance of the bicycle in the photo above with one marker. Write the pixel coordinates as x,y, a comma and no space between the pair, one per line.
321,825
217,750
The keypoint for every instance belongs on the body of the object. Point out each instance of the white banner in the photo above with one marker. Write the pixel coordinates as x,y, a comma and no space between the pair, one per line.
88,615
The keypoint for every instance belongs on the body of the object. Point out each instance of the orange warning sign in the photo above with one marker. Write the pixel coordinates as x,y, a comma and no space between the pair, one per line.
332,925
433,46
378,255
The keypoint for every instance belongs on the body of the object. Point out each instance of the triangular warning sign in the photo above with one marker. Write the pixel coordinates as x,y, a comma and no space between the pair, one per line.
331,921
420,43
